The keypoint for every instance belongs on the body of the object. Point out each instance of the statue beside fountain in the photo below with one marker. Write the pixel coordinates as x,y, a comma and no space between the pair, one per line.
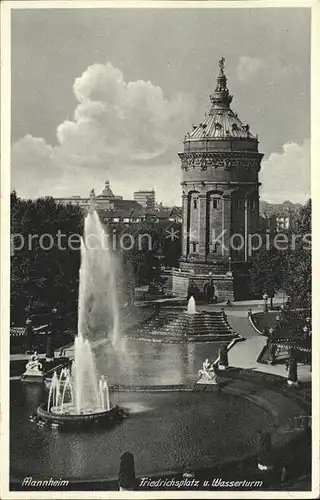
33,367
208,373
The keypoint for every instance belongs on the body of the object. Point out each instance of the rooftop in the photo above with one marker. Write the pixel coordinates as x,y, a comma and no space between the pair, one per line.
221,122
107,191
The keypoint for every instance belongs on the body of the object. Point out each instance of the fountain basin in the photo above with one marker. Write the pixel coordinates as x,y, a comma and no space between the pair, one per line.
174,325
165,429
71,418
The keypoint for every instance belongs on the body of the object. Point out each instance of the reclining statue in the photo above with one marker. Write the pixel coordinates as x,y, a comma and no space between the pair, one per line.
208,373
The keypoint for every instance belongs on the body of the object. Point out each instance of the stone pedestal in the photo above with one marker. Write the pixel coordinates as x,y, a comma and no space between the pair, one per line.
49,348
223,283
208,381
223,358
127,475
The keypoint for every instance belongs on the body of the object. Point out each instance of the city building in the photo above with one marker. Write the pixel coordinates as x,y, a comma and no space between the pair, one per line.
147,199
279,216
114,209
106,200
80,201
220,200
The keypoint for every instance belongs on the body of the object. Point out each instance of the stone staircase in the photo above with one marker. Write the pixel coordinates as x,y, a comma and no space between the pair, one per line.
177,323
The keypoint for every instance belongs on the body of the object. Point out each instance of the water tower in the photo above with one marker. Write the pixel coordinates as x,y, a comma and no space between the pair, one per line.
220,199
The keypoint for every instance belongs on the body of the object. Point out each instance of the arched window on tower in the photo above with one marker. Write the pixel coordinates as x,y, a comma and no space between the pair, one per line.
195,203
215,200
215,203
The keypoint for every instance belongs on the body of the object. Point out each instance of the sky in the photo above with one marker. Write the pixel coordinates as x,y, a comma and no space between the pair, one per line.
109,94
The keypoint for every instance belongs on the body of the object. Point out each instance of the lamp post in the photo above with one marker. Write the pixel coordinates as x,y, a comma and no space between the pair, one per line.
292,379
29,335
51,334
265,298
272,346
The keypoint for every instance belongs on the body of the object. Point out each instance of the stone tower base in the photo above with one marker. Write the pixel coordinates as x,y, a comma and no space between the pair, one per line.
223,283
232,285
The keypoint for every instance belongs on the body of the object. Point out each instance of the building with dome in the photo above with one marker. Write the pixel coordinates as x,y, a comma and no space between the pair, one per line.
113,209
220,200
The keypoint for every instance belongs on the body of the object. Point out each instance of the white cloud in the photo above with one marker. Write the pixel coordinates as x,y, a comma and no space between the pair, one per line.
286,175
248,67
32,164
165,179
116,124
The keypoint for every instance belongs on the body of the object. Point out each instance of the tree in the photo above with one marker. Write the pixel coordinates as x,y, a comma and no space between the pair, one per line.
297,272
147,255
44,270
288,268
266,271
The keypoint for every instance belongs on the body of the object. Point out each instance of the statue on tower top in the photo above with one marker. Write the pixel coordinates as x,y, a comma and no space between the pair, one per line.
221,64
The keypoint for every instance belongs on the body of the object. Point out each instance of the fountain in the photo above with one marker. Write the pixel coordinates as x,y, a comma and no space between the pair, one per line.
79,395
191,306
77,391
174,324
98,307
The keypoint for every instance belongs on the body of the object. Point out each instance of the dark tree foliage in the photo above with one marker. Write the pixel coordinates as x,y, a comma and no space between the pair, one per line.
287,268
41,278
267,270
298,270
144,260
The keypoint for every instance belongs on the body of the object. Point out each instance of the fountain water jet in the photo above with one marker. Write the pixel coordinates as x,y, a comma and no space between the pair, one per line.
191,306
98,306
79,395
70,394
104,393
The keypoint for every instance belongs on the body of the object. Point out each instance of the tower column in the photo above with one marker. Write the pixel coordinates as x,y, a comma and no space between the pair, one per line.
226,224
246,228
185,225
202,226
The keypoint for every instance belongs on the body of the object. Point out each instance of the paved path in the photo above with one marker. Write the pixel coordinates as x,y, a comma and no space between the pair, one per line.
245,354
238,320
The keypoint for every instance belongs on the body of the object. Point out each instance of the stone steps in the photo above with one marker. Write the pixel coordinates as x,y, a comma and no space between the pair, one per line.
183,324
